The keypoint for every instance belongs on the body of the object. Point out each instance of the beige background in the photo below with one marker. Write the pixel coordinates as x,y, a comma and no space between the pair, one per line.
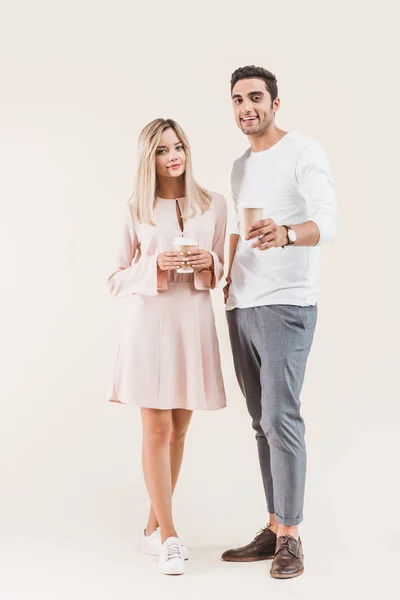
78,82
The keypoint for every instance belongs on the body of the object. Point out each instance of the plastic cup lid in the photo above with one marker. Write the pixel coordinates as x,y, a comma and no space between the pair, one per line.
185,241
250,206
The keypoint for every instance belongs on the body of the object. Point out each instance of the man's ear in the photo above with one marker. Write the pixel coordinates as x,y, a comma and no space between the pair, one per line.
276,104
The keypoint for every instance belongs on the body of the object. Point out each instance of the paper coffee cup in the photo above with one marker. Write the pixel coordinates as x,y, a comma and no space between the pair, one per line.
185,246
248,215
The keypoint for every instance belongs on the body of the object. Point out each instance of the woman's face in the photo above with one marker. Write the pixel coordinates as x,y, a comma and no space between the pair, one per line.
170,155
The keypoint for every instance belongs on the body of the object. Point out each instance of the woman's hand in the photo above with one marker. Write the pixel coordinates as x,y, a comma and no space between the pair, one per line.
226,289
200,260
170,261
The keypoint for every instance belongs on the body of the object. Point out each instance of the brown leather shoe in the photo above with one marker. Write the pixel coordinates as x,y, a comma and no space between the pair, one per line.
261,548
289,558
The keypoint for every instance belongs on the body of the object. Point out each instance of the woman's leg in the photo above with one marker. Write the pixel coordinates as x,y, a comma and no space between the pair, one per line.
157,429
180,423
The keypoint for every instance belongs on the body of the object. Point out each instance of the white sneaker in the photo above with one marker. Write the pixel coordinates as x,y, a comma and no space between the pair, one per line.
171,561
151,544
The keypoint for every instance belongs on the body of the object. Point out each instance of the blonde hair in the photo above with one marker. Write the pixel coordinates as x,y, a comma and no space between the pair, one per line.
144,197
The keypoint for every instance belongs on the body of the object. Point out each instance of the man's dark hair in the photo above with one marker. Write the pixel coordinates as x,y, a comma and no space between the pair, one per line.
253,72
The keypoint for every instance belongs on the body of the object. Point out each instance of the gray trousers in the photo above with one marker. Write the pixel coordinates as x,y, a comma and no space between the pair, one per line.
270,346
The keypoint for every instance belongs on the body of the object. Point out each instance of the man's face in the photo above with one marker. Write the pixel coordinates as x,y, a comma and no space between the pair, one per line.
253,109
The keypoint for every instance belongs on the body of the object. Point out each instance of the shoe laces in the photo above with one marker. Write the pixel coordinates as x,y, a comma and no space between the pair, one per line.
262,531
173,550
285,540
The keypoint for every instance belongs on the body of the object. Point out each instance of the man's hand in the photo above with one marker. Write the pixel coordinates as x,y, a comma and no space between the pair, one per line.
226,289
169,261
269,234
200,260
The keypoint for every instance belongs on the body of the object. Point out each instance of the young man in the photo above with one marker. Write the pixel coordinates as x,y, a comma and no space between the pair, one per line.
270,297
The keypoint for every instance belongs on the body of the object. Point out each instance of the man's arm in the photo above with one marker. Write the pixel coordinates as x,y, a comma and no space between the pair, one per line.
307,234
274,235
233,242
315,183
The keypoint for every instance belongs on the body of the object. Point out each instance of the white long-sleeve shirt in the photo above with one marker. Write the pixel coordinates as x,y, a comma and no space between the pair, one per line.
293,182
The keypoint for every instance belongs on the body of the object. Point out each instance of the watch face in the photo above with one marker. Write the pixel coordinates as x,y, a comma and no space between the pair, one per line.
292,235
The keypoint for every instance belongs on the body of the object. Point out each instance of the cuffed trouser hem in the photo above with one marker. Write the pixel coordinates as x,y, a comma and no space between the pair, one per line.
288,522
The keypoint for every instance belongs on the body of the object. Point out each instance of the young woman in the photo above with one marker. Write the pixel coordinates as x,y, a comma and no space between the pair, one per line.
168,361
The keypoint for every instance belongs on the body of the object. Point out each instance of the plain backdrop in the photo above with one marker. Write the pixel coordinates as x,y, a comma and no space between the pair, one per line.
79,80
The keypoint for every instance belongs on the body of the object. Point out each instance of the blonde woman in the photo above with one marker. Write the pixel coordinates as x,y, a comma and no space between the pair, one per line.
168,361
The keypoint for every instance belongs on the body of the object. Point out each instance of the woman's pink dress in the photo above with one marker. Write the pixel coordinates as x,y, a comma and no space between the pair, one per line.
168,355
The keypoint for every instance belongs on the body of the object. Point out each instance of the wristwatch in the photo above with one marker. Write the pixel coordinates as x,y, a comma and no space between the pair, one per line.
292,237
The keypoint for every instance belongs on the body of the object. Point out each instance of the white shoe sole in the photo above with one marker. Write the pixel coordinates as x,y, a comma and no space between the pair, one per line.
169,569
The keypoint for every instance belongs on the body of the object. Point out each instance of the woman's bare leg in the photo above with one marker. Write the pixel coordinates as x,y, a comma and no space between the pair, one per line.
157,429
180,423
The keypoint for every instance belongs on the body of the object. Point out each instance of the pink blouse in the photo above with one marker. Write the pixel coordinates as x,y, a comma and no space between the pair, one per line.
136,266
